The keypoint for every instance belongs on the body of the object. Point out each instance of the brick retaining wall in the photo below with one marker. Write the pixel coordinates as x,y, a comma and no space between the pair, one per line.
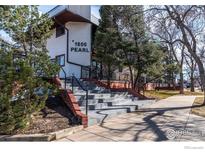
70,100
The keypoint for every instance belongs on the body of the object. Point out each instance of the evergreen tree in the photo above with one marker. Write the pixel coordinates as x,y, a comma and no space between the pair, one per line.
140,54
121,38
23,66
106,41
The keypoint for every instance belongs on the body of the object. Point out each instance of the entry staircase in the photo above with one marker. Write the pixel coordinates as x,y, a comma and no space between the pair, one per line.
102,103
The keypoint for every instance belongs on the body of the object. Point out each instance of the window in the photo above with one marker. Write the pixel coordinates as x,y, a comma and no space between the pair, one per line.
60,60
85,72
60,30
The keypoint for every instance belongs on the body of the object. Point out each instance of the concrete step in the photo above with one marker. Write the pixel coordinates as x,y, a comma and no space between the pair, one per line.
79,90
100,114
93,102
95,95
82,99
113,103
109,105
90,97
85,84
139,103
103,103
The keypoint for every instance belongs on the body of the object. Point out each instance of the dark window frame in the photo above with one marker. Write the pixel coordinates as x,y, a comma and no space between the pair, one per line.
60,30
84,68
63,61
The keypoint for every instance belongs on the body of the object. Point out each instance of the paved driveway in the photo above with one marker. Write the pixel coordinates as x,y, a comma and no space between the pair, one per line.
165,120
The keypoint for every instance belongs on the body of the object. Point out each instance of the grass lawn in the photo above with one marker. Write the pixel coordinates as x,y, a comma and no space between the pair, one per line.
193,93
201,109
162,94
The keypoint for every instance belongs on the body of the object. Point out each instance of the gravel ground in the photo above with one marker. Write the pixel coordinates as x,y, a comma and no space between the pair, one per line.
54,117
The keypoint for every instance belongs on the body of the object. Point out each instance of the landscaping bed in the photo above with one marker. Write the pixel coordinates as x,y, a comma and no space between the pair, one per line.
56,116
51,123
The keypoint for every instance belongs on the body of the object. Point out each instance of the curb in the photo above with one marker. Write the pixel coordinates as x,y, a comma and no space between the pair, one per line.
29,137
65,132
42,137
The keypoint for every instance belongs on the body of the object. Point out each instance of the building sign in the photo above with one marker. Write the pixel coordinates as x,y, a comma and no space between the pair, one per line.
79,46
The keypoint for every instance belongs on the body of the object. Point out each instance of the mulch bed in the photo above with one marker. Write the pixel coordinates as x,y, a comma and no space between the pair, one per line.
56,116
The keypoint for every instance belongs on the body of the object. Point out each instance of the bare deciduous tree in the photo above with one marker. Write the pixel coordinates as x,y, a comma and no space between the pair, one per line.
164,30
190,22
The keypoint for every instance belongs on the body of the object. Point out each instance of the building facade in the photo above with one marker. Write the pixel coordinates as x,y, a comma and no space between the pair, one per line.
71,41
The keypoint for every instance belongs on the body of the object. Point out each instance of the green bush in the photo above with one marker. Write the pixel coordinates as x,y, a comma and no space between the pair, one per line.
19,94
22,66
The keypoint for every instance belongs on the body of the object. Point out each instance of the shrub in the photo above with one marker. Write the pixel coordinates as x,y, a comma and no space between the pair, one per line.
22,92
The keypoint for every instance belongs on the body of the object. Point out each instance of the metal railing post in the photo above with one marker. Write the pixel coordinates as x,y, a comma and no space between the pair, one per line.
84,89
72,83
65,81
64,76
86,107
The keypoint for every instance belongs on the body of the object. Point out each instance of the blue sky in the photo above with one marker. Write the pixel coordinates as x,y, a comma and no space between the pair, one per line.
46,8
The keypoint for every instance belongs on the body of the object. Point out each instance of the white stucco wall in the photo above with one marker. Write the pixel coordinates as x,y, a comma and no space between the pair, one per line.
78,32
74,70
56,46
71,70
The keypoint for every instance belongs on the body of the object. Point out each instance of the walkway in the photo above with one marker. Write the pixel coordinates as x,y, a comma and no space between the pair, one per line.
165,120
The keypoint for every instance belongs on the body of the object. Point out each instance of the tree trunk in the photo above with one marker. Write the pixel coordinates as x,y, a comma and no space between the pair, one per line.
199,82
186,41
108,76
192,83
181,83
192,51
173,82
202,76
201,72
101,71
136,82
192,75
131,77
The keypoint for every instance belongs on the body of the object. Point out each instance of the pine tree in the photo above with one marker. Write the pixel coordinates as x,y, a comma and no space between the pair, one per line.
121,39
139,52
23,66
106,42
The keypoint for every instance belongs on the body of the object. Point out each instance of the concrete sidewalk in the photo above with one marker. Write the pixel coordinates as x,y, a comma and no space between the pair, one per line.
165,120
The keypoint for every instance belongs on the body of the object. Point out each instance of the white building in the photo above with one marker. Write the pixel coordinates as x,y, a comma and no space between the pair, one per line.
72,38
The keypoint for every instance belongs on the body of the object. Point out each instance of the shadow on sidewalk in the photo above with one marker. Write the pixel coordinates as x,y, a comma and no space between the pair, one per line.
149,120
